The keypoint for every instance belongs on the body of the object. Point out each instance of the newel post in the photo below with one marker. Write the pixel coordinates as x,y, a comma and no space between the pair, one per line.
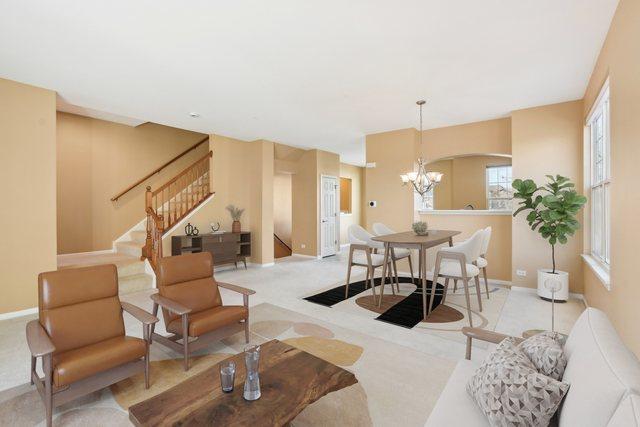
146,251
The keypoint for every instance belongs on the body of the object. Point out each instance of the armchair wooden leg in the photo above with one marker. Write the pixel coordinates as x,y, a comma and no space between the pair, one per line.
147,337
392,275
395,273
48,389
477,280
346,290
455,285
245,300
33,369
468,352
385,266
486,281
185,341
153,325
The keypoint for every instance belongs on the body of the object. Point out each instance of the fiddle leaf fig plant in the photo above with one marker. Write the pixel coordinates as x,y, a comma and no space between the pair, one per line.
552,208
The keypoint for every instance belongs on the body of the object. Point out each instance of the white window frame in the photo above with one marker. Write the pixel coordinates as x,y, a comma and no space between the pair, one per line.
487,183
600,248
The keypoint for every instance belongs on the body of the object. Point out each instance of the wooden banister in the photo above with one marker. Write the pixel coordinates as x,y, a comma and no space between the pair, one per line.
149,175
184,172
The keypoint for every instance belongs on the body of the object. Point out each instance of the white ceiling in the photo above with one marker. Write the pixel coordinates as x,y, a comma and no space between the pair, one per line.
307,73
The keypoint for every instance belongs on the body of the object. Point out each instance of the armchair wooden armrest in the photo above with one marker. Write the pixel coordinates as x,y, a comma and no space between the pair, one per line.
38,340
236,288
170,305
360,247
484,335
140,314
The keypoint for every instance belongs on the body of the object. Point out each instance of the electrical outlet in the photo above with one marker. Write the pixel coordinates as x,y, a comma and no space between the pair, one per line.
303,246
521,273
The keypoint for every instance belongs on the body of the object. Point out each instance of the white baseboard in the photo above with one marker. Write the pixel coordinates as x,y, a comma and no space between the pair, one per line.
257,264
304,256
20,313
105,251
535,291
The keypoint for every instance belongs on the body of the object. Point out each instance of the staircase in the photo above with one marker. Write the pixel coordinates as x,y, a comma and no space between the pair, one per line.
280,248
171,203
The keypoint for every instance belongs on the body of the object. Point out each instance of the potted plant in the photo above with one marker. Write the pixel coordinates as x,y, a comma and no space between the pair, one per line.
552,213
236,214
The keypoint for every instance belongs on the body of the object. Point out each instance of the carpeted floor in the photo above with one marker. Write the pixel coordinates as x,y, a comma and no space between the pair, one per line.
397,385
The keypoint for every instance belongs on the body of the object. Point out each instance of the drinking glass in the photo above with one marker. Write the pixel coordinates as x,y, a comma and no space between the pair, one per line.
252,382
227,376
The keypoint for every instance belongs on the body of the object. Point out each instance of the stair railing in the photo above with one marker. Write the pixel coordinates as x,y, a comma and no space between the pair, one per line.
173,201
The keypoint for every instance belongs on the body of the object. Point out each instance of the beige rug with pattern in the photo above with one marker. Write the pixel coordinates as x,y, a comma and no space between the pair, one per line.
396,385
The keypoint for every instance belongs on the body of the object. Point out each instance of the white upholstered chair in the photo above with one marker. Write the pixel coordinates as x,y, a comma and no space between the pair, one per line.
397,254
362,252
457,263
481,262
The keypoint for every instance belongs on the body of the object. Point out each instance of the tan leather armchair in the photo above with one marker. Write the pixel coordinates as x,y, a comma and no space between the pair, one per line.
80,335
192,306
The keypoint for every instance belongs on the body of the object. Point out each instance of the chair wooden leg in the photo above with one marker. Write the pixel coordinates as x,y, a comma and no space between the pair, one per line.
385,264
246,331
346,290
455,285
434,285
465,283
147,337
393,273
486,281
48,389
153,325
411,268
477,280
446,289
185,341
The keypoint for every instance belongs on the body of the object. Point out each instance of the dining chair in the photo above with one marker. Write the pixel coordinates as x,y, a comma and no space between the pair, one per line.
481,262
397,254
363,253
456,263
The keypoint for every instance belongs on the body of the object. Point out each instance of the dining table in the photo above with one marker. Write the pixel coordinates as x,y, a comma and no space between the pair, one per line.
411,240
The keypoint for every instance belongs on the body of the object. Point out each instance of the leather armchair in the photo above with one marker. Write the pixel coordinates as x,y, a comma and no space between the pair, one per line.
80,335
192,306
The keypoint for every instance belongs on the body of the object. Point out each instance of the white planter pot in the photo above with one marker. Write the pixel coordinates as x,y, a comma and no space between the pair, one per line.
561,276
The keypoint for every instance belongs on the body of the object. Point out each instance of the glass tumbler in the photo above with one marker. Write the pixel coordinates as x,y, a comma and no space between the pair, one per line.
252,382
227,376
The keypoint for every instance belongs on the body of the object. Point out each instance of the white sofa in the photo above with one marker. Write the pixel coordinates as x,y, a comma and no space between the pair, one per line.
604,376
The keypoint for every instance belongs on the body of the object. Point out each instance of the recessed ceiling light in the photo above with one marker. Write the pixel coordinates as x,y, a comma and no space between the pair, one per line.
194,114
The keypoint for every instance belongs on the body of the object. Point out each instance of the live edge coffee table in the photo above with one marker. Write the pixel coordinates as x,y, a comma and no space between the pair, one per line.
290,379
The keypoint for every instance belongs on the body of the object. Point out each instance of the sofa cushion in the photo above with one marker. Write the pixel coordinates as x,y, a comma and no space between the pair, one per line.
601,371
209,320
510,391
455,406
628,411
74,365
545,352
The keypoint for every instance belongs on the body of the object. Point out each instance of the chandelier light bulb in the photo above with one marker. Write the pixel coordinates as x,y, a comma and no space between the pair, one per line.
412,176
404,178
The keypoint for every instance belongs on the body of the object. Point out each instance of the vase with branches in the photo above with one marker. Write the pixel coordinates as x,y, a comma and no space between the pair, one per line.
236,214
551,210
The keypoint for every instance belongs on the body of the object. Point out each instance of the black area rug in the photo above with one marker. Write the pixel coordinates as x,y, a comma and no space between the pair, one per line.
407,313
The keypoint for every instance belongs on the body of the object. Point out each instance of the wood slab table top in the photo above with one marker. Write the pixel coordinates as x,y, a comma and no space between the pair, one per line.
434,238
290,379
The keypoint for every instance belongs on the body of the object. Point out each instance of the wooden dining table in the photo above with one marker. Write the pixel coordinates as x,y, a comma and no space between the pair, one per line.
410,240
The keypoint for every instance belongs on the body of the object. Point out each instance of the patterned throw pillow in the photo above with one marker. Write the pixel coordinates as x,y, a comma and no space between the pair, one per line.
510,391
545,352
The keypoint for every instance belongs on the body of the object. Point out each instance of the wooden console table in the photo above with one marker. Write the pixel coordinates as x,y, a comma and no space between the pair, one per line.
290,380
226,248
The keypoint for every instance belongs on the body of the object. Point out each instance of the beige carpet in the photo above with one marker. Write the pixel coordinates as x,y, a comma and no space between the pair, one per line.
396,385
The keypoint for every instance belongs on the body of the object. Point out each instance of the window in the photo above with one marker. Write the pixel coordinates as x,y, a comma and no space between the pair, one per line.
425,204
600,176
499,190
345,195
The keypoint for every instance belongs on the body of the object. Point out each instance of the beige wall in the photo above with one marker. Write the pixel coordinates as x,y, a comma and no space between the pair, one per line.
355,174
619,59
304,224
28,153
546,141
499,255
96,160
282,206
243,176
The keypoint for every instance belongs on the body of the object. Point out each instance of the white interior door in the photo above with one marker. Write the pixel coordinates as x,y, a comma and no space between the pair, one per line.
329,216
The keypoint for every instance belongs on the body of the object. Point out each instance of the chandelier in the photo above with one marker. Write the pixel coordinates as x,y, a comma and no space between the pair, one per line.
422,180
